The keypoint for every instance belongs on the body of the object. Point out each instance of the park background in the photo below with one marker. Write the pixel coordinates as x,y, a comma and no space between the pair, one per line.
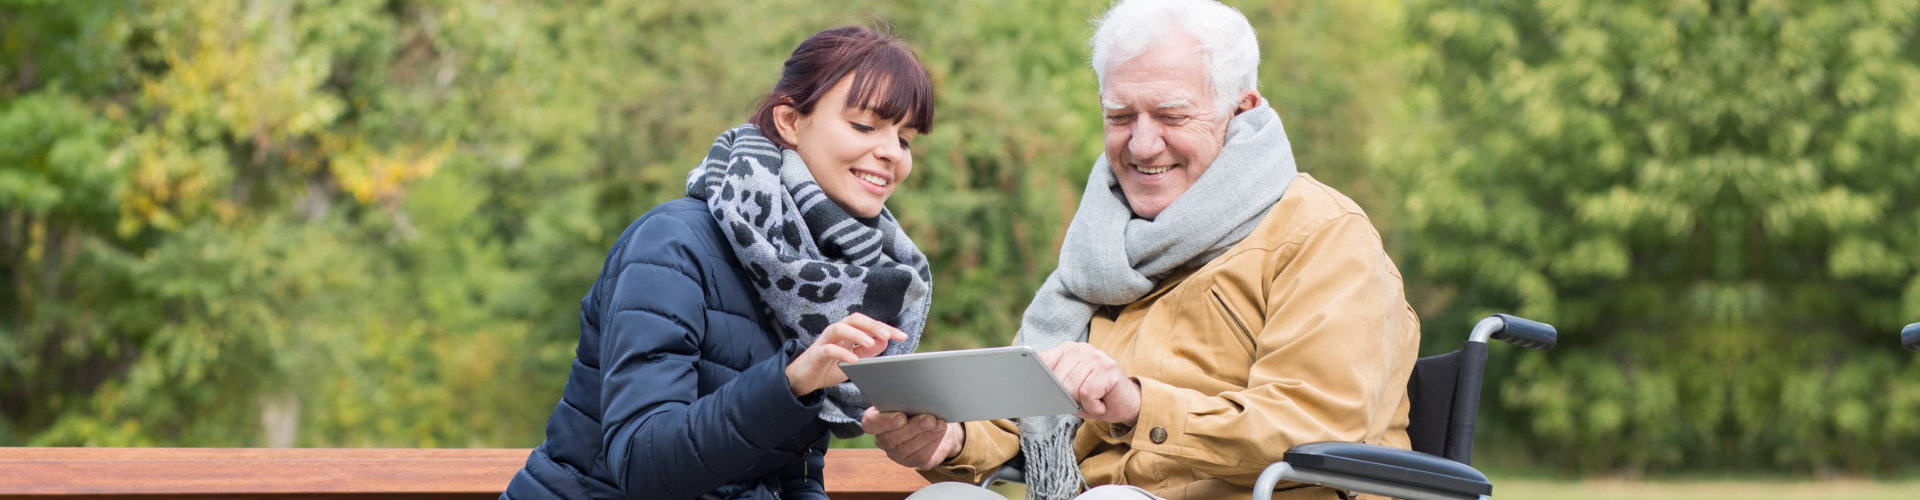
369,223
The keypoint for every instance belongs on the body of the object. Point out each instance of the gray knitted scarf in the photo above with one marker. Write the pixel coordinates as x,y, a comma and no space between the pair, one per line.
1111,258
812,262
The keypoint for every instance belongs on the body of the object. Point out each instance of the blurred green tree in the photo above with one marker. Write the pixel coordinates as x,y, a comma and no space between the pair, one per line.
1714,200
368,223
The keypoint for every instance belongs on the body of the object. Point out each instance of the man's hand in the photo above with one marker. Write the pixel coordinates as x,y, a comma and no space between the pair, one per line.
919,441
1095,380
854,337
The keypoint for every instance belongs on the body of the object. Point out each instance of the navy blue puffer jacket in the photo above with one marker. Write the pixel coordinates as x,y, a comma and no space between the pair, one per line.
677,389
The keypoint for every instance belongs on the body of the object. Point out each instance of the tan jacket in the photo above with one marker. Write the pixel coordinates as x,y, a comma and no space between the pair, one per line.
1300,333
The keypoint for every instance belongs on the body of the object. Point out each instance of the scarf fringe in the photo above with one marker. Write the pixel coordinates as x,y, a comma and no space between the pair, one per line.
1052,470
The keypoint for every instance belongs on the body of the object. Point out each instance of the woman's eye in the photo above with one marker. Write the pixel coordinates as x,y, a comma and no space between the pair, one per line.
906,143
861,127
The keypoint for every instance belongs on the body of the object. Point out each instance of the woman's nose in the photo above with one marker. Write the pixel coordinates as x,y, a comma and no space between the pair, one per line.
889,150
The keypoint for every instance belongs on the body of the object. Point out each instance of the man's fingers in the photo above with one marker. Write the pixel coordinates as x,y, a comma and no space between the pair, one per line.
1093,407
1073,374
899,429
873,422
914,441
891,438
909,444
888,440
916,450
1102,388
1097,384
1089,376
1065,354
925,450
1051,357
928,422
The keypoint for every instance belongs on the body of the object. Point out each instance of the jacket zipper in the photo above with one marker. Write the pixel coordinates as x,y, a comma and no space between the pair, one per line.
1237,323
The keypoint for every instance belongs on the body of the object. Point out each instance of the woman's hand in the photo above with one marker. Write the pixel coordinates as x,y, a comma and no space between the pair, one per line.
854,337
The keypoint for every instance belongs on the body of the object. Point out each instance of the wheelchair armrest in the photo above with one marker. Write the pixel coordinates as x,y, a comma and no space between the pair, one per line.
1380,470
1014,471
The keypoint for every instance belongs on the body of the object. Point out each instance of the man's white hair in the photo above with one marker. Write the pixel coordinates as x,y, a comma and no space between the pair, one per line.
1230,52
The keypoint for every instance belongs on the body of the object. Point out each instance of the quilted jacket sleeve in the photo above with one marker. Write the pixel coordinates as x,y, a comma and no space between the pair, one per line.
809,483
662,440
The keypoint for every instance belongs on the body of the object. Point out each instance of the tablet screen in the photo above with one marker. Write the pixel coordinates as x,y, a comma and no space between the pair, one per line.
963,385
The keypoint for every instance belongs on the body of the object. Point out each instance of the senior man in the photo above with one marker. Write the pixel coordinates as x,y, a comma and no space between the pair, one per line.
1212,307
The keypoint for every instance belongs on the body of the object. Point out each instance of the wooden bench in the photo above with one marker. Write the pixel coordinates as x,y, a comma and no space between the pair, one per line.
362,474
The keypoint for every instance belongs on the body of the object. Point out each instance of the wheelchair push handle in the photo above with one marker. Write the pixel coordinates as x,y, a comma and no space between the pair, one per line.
1910,337
1526,333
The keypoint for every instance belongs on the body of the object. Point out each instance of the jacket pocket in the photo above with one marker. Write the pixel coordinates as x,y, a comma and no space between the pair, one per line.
1233,318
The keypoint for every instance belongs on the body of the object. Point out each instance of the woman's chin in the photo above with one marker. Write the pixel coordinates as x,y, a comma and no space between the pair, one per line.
862,208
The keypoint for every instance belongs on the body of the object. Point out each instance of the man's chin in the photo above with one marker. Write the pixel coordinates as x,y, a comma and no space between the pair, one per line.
1147,212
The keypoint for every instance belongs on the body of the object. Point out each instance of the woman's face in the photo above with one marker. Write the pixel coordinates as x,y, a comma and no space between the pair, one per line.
856,156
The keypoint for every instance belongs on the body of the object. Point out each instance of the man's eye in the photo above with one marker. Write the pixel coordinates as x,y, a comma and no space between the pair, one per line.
863,128
1173,118
1119,118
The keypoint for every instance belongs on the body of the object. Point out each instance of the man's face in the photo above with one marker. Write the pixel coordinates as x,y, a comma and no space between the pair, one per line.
1162,129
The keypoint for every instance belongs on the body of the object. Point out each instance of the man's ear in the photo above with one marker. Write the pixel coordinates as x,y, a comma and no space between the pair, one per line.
1248,100
787,121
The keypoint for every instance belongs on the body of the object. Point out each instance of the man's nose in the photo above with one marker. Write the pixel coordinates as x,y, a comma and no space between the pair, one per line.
1148,140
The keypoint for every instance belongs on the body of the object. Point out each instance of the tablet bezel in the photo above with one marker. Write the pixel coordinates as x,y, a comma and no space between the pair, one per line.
963,385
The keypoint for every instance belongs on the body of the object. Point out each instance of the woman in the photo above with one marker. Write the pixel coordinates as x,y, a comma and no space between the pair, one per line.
708,363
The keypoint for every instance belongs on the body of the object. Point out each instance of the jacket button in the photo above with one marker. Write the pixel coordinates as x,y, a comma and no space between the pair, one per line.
1158,435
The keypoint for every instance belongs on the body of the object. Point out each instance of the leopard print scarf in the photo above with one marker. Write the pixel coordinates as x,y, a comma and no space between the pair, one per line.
812,262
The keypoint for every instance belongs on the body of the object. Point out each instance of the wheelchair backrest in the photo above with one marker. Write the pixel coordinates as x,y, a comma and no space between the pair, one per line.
1445,399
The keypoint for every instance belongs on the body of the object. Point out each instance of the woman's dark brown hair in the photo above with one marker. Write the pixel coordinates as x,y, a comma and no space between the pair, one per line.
887,79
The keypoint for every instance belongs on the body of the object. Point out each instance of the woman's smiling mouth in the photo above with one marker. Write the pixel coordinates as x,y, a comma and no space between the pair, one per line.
873,179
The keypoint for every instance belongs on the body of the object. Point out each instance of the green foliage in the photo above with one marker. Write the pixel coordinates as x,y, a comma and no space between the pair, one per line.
368,223
1712,199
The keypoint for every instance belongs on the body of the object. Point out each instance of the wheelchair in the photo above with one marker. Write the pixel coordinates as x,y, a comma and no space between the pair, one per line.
1445,394
1910,337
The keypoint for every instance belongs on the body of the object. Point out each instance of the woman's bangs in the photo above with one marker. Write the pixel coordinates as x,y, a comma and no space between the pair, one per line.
893,85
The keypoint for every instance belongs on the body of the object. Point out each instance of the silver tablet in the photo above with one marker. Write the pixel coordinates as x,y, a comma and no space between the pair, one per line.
964,385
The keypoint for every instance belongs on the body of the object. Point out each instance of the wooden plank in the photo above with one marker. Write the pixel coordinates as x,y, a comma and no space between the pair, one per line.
868,475
78,453
89,472
286,473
